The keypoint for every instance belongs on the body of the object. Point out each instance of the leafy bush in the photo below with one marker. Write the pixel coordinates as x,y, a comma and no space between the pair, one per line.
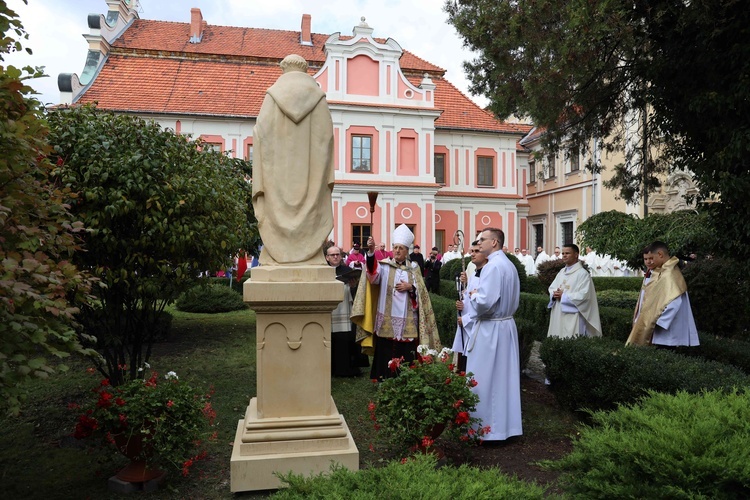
528,332
628,283
617,298
668,446
731,352
417,477
446,318
599,373
547,271
211,298
719,296
533,285
533,308
236,286
616,322
448,271
448,289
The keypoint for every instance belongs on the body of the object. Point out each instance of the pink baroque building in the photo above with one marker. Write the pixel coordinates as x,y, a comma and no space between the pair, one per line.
438,161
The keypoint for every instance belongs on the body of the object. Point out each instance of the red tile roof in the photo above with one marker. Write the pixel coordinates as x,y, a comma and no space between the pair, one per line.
153,68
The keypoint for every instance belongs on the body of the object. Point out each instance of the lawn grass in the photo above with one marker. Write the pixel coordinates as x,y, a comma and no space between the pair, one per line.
39,459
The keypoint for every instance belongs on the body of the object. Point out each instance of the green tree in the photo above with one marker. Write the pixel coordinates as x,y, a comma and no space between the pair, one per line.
38,236
623,236
159,210
674,73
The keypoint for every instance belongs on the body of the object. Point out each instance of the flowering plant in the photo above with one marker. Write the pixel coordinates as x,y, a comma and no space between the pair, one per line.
427,395
167,415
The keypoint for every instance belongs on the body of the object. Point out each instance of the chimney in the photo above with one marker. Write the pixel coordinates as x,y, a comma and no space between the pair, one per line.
305,36
196,25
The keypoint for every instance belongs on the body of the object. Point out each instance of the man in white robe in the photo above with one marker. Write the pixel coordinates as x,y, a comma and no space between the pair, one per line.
663,315
541,257
575,310
493,346
528,262
591,260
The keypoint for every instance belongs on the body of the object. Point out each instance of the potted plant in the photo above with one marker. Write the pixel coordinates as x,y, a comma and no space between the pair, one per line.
427,398
155,421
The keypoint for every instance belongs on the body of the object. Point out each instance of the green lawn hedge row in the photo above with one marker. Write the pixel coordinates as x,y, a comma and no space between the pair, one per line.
210,298
723,350
624,299
597,374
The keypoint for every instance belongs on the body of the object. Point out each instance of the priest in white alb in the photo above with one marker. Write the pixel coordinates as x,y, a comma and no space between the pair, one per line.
575,310
492,353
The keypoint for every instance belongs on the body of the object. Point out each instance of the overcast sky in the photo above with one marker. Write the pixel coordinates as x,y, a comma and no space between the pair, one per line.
56,27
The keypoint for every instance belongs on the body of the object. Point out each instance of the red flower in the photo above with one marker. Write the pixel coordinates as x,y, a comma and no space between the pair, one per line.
105,382
59,162
151,382
472,382
209,413
447,381
464,438
395,363
461,374
458,403
90,370
451,367
404,460
371,448
371,407
120,402
377,427
85,427
123,420
170,404
105,400
427,441
462,418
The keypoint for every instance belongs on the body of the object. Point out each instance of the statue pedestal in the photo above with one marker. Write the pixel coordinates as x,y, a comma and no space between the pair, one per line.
293,424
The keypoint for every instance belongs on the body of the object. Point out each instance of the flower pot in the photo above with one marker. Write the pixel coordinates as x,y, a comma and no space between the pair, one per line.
433,433
137,471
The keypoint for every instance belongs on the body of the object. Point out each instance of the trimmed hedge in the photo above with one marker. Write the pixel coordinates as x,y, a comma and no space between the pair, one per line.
417,477
448,289
533,285
731,352
236,286
210,298
446,317
719,293
616,323
667,446
448,271
533,308
624,299
599,373
627,283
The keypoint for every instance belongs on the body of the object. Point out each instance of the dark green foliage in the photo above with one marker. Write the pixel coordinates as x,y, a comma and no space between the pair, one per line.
236,286
616,322
627,283
418,477
723,350
533,308
599,373
623,236
528,332
446,318
40,287
667,446
520,269
719,291
533,285
448,289
617,298
546,272
159,210
452,268
211,298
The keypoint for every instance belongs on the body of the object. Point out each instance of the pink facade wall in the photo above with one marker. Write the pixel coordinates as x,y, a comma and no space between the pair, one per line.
524,236
408,161
323,80
352,213
178,127
504,170
402,90
245,144
510,231
407,213
388,151
489,219
448,223
215,139
337,148
362,76
428,157
429,229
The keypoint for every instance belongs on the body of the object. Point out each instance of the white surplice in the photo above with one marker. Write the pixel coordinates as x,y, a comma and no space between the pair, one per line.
493,348
577,311
468,314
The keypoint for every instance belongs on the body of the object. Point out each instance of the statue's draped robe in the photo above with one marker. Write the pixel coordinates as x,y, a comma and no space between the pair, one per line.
293,171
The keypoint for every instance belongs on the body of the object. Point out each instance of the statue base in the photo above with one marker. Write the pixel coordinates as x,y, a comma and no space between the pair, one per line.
293,424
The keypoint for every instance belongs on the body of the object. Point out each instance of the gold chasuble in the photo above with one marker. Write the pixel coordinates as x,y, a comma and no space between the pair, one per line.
665,285
365,306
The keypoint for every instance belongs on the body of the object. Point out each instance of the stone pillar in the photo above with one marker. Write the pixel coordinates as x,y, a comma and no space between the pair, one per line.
293,423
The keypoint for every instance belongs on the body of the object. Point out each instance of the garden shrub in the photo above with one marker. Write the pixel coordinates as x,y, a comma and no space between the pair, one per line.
528,332
616,322
452,268
446,318
723,350
667,446
236,286
533,308
624,299
210,298
417,477
448,289
533,285
547,271
627,283
719,296
599,373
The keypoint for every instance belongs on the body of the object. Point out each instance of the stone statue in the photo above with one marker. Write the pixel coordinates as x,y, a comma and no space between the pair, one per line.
293,169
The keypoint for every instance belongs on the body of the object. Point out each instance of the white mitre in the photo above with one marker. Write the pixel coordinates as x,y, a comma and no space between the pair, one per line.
403,236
